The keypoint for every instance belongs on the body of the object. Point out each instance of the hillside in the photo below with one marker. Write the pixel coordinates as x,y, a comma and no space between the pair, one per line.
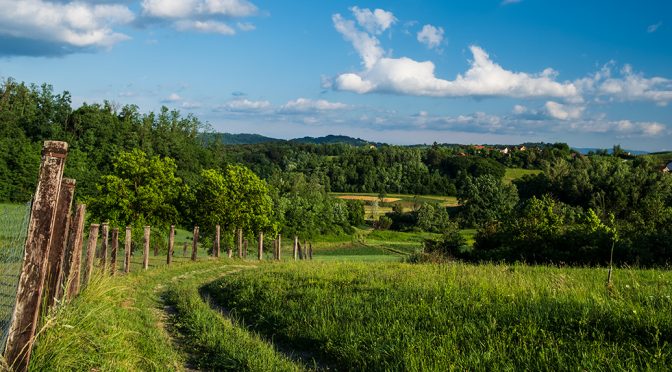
333,139
240,138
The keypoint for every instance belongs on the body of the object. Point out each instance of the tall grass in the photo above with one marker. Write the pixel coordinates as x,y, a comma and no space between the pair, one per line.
457,316
213,342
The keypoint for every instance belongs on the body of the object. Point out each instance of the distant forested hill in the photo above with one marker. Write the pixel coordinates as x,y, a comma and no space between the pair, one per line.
240,138
332,139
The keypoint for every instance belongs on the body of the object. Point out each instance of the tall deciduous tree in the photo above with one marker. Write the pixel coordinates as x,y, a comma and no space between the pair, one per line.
141,190
233,198
485,199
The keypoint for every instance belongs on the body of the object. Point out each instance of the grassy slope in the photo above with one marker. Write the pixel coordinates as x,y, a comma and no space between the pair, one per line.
118,324
514,173
438,317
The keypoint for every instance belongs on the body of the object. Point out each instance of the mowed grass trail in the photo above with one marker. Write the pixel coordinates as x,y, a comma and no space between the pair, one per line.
152,320
392,316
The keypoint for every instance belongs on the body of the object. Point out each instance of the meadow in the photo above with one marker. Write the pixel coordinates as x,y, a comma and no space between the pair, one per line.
357,316
357,306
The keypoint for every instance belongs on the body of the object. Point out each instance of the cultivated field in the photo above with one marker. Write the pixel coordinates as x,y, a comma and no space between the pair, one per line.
374,207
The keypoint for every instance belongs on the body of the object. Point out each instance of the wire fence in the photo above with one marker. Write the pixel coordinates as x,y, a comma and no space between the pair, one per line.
13,228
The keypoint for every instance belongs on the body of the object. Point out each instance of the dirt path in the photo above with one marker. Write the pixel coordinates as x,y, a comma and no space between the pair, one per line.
163,315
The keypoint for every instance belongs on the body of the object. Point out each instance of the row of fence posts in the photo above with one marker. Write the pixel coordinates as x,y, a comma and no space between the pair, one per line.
53,252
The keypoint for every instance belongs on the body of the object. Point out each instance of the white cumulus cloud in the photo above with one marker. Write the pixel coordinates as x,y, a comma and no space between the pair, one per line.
431,36
627,85
376,21
562,111
75,24
205,26
173,97
245,105
407,76
303,105
201,15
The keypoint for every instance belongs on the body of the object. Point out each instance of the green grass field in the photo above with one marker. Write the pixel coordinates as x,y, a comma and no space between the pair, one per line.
515,173
13,225
357,316
353,308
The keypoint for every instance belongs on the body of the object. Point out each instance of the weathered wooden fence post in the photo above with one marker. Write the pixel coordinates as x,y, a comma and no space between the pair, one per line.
127,249
71,278
105,234
216,247
310,251
171,244
194,249
90,252
305,250
59,241
184,251
31,281
145,255
113,251
296,247
245,248
240,243
260,253
300,251
279,247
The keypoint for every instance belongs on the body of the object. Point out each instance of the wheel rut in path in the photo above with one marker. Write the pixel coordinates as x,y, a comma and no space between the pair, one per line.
308,359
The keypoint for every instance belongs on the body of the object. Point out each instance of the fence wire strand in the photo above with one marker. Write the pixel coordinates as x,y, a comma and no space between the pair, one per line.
13,229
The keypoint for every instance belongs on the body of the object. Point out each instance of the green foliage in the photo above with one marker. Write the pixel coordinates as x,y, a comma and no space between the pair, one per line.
142,190
451,243
304,208
485,199
432,217
355,212
234,198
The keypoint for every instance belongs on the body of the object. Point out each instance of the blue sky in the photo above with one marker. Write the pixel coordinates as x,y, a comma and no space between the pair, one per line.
592,74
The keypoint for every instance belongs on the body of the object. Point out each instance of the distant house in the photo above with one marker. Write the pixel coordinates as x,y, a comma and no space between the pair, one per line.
668,168
523,148
504,150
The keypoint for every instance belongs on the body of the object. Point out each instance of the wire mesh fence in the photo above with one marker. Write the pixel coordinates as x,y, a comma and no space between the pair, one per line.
13,228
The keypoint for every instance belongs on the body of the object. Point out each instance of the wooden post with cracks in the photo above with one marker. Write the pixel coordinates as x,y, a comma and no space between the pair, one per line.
31,280
145,254
216,248
260,252
296,247
194,249
114,250
59,241
90,252
171,244
240,243
127,249
71,276
105,234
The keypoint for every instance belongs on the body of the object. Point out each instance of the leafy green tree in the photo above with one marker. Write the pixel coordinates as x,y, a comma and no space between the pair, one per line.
432,217
233,198
485,199
141,190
